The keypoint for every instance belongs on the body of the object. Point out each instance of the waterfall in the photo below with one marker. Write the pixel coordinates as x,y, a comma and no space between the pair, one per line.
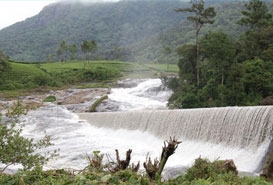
137,95
242,130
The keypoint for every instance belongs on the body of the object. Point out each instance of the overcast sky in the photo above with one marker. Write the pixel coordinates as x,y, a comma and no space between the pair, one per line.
12,11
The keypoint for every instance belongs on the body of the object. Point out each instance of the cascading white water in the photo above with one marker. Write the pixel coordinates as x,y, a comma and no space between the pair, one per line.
240,133
76,138
146,95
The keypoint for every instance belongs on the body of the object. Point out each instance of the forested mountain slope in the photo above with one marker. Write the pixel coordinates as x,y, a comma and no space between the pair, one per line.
137,30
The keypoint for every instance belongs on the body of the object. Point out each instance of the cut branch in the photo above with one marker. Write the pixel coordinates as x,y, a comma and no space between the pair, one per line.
152,169
122,164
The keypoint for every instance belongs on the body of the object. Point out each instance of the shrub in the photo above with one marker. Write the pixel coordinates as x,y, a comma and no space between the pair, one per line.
10,85
204,169
50,99
15,149
42,80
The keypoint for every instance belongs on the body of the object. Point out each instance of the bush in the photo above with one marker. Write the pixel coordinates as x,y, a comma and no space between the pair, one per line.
15,149
204,169
10,85
42,80
50,99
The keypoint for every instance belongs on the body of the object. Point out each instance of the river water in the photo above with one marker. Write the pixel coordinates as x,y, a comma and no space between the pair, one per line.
76,138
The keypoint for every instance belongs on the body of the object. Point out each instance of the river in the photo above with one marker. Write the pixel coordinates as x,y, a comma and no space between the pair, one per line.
76,138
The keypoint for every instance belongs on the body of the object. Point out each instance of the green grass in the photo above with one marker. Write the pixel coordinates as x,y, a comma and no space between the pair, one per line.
75,65
22,77
50,99
21,71
127,69
163,67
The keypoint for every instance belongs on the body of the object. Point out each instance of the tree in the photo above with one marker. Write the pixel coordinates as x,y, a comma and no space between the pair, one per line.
219,49
65,49
201,17
187,63
256,15
15,149
88,47
4,63
62,50
257,41
167,52
258,79
73,50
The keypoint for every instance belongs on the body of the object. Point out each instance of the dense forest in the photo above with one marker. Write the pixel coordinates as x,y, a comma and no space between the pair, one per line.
126,30
220,70
227,61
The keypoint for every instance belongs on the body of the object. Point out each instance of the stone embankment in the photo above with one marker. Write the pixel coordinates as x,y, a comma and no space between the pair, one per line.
76,100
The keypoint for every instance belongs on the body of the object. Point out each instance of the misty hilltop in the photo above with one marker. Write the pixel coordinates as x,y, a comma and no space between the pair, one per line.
139,30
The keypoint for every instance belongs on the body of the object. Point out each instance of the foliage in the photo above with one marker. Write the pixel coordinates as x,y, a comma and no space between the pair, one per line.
89,47
257,79
4,63
201,17
202,172
28,76
20,76
187,63
126,30
97,102
16,149
232,73
64,50
50,99
205,172
256,15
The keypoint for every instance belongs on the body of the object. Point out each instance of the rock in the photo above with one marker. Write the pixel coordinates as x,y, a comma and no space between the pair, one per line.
268,168
267,101
227,166
75,100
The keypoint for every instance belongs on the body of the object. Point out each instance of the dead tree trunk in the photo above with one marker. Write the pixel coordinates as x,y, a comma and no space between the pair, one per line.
157,168
122,164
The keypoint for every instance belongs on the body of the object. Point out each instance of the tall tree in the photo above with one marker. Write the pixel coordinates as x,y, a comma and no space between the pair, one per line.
187,63
257,41
201,17
88,47
3,62
65,49
4,65
219,49
256,15
166,52
72,50
62,50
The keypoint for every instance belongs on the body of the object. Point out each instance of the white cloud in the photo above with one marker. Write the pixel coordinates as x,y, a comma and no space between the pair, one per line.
12,11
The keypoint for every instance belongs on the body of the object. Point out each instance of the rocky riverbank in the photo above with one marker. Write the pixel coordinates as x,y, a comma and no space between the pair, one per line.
76,100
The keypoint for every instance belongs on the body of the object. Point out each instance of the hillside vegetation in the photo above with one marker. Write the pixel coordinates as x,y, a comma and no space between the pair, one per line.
22,76
218,70
125,30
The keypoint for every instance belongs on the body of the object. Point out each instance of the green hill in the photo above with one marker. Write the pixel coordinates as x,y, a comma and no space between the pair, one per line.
137,30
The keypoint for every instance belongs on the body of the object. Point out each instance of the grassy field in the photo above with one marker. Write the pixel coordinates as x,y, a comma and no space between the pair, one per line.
127,69
23,78
20,71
